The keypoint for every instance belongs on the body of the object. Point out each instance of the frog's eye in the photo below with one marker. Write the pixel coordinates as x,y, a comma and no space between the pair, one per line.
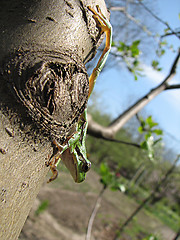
86,166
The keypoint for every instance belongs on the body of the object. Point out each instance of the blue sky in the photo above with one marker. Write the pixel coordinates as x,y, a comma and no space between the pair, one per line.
116,89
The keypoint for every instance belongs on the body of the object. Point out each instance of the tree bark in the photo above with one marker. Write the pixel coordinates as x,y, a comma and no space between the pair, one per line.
33,33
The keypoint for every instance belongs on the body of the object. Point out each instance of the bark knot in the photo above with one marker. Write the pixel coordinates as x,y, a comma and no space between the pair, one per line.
52,86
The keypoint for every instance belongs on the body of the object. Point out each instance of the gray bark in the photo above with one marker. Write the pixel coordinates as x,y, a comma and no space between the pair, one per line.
34,26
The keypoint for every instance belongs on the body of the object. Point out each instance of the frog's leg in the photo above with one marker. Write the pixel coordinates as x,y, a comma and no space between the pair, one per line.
54,161
105,26
71,143
53,165
85,126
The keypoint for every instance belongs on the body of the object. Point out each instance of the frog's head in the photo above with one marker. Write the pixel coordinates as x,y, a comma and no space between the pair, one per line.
77,164
82,166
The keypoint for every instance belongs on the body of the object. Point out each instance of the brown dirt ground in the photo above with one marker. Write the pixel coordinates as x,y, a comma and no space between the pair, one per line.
70,206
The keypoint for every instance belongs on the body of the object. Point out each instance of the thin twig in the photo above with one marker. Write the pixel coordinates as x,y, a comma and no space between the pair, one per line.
170,34
133,19
93,214
121,141
159,19
174,86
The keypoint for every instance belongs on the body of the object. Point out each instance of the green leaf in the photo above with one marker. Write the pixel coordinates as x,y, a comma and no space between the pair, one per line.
144,145
162,52
106,176
113,44
104,169
122,46
179,16
135,77
136,43
136,63
134,48
155,64
158,131
140,129
147,136
158,140
134,52
163,43
166,30
150,122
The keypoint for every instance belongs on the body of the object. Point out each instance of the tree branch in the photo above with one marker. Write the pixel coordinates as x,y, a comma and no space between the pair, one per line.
133,19
159,19
174,86
92,125
122,142
170,34
93,214
109,132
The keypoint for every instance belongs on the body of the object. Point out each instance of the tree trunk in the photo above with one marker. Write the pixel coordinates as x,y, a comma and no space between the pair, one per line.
39,40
